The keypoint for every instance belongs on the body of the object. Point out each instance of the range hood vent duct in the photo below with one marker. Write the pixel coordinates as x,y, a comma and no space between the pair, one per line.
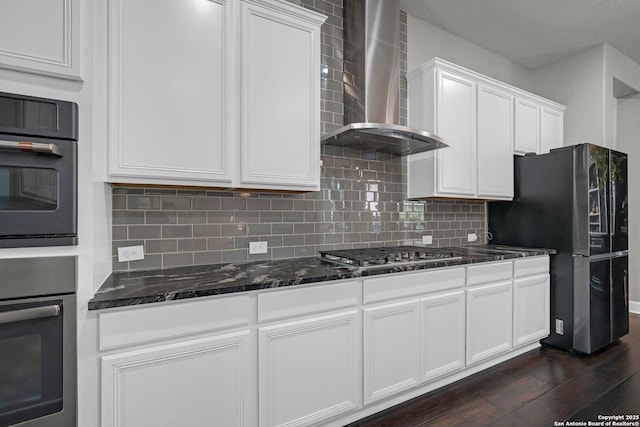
372,83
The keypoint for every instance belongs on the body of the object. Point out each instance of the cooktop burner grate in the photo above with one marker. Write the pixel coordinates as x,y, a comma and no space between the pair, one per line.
385,256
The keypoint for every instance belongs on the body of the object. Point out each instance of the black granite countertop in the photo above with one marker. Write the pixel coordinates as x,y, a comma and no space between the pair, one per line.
143,287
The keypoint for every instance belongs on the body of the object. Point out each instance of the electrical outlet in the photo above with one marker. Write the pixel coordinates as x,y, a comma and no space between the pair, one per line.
130,253
559,327
258,248
427,240
472,237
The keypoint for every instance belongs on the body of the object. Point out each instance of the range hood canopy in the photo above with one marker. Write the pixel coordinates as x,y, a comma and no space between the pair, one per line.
372,83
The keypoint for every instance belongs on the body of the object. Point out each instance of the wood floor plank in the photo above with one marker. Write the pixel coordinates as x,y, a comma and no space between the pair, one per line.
559,371
623,399
517,393
477,412
436,403
622,365
564,400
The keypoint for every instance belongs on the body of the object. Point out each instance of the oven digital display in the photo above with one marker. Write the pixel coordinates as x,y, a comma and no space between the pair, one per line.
27,114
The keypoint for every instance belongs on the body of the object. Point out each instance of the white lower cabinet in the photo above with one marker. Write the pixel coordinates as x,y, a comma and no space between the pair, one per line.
531,300
322,354
205,379
187,363
391,349
443,331
309,369
415,338
409,342
489,324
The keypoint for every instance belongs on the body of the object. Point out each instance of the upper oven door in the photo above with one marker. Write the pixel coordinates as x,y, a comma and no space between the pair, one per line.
37,187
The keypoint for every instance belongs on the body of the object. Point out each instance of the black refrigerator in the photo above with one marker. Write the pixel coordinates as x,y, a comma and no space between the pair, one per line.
574,200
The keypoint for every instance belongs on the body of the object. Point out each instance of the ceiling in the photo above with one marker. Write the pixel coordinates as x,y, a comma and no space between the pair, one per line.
535,33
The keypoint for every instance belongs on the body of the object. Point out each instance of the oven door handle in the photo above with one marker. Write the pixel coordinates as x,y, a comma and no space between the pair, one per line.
31,147
30,314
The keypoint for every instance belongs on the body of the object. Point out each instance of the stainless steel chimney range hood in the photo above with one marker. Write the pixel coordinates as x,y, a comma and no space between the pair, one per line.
372,83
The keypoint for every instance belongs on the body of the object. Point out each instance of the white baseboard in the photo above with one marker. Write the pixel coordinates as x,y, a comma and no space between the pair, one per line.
634,307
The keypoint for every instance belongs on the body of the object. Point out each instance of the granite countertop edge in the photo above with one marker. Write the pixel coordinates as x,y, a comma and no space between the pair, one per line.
134,288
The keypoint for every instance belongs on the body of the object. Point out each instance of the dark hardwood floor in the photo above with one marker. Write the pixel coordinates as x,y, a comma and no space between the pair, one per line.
535,389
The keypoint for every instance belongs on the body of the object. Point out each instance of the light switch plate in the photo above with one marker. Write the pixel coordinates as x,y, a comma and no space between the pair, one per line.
130,253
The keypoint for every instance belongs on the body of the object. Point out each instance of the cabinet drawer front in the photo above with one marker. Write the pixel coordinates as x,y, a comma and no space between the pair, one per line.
536,265
146,324
485,273
404,285
280,304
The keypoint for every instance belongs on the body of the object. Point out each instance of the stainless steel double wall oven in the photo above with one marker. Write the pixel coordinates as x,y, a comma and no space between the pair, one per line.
38,164
38,207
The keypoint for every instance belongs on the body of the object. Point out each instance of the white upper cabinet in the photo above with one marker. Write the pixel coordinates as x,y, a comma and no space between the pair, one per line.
214,93
169,112
495,143
484,122
475,120
538,125
280,89
456,121
551,129
42,37
527,127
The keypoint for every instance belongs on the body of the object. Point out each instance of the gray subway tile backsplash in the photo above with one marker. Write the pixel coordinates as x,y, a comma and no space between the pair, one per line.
362,201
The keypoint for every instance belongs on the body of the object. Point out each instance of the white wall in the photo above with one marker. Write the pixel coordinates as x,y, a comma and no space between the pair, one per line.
628,133
425,41
619,66
578,83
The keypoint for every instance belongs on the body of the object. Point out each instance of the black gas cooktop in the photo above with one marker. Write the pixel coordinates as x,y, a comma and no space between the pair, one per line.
386,256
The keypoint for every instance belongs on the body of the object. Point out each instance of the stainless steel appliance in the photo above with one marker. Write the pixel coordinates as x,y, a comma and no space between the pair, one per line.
38,167
387,256
38,342
574,199
372,83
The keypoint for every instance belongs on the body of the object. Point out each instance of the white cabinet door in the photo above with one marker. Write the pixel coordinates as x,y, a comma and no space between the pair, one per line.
309,369
551,129
456,123
42,37
495,144
201,382
391,349
489,321
530,309
280,95
169,86
527,127
442,334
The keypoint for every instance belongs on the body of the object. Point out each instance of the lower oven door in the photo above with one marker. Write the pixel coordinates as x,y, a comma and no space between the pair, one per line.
38,362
